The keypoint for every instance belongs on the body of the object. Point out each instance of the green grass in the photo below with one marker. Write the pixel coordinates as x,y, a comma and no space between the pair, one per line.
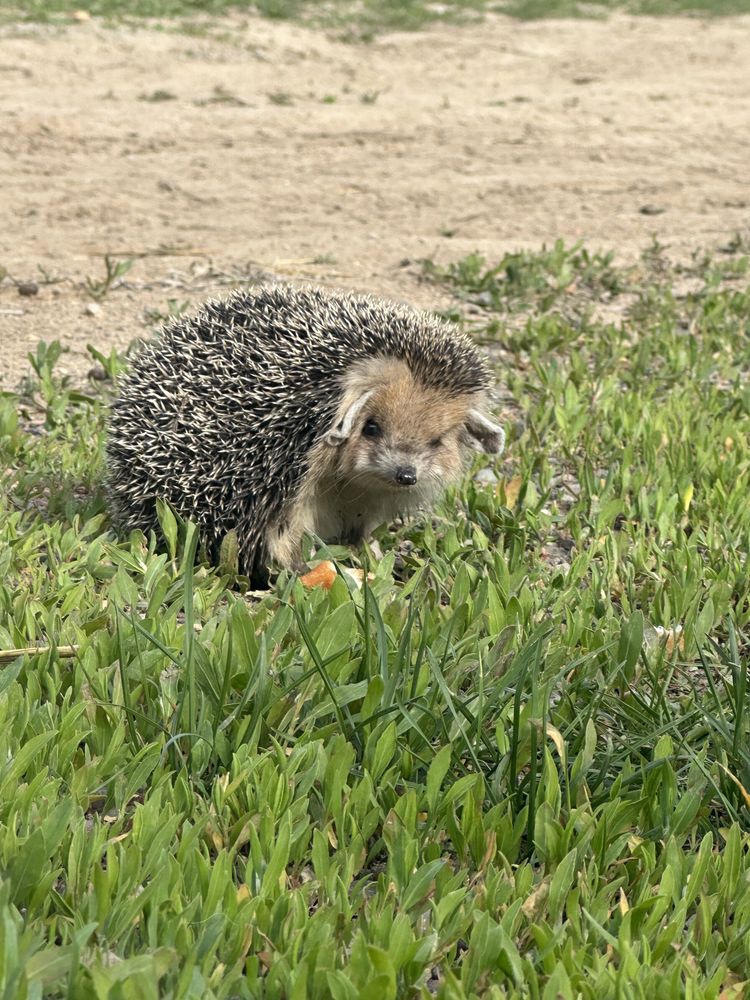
364,19
358,21
501,770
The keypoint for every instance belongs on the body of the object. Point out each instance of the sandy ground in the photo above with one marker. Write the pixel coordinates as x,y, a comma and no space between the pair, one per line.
282,150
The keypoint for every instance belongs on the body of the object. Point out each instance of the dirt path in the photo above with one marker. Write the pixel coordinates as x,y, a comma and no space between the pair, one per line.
280,149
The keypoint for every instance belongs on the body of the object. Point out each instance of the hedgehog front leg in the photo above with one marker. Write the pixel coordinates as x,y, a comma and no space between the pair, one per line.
260,574
255,567
353,533
284,545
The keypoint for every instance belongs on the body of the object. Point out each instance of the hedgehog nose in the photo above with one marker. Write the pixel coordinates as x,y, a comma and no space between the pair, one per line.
406,475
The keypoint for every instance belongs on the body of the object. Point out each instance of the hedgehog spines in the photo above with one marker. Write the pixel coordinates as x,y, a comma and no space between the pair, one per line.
221,416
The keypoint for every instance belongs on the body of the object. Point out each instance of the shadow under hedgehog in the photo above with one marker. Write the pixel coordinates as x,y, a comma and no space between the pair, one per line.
281,410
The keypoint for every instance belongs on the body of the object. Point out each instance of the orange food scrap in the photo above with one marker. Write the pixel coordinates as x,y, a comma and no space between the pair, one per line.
324,574
321,575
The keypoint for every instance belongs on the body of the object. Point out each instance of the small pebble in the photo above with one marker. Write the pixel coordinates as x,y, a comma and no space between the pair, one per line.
28,288
485,476
92,309
651,210
375,549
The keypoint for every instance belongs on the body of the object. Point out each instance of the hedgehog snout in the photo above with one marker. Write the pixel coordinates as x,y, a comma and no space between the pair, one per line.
405,475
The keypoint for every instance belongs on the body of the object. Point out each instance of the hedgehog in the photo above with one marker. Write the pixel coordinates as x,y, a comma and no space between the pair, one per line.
281,411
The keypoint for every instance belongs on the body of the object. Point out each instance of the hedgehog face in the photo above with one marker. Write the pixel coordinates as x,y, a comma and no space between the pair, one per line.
406,441
397,436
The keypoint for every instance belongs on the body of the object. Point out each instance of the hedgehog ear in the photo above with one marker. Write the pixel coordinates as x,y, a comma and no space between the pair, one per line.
346,418
483,432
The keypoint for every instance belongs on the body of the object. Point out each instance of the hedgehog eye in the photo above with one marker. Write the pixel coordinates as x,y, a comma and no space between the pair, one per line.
436,442
371,429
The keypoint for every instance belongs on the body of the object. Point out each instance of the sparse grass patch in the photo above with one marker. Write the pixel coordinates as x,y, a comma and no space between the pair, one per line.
530,280
515,765
221,95
359,20
158,96
281,97
157,317
528,10
114,270
355,21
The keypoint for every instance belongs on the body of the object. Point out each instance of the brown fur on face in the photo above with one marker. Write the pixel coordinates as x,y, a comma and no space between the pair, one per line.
412,428
394,445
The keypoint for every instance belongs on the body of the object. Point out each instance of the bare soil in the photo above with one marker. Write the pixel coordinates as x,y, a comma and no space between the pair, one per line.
269,148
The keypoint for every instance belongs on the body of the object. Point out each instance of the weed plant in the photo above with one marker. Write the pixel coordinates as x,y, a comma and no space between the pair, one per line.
516,764
363,20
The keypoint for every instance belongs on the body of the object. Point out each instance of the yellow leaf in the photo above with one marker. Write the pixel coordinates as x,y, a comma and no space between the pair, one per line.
733,988
687,496
243,893
217,975
511,489
738,783
534,903
623,904
556,736
490,849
